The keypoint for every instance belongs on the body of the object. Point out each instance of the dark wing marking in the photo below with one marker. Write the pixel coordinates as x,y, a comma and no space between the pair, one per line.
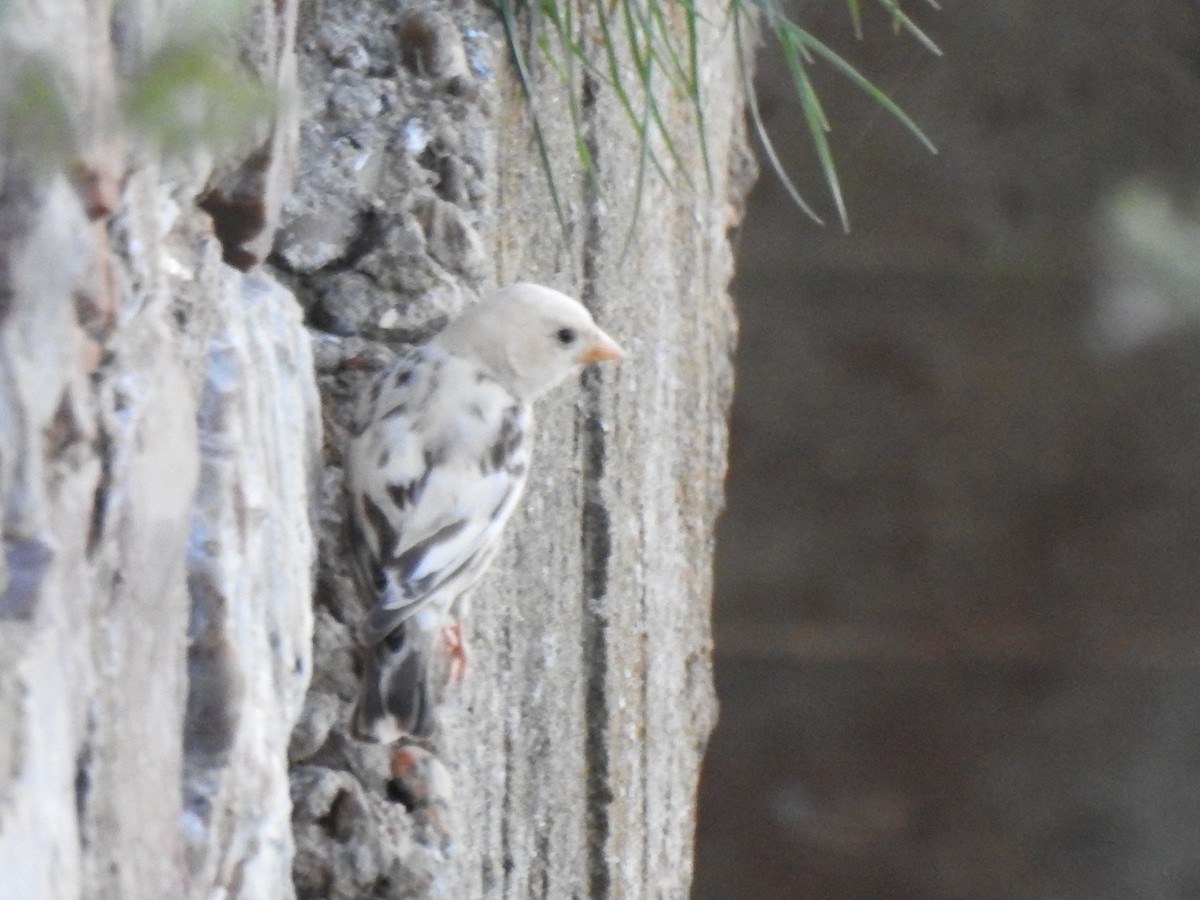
398,410
377,521
508,441
383,622
366,569
407,563
404,495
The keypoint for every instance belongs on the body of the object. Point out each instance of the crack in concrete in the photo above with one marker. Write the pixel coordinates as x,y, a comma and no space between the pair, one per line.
596,548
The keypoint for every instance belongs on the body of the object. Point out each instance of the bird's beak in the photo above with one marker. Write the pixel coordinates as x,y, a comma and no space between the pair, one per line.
602,349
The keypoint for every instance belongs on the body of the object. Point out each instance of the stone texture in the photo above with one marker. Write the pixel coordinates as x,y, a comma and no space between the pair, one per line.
573,744
173,594
160,427
251,555
244,193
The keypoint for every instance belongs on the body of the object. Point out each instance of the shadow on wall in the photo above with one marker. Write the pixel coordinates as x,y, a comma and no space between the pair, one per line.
958,628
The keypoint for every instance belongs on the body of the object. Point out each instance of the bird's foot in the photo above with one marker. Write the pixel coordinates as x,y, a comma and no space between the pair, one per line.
456,649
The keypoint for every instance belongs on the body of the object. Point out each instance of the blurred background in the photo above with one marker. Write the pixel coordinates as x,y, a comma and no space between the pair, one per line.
958,610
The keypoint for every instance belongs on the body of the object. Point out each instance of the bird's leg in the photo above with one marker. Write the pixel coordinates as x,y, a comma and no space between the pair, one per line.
456,649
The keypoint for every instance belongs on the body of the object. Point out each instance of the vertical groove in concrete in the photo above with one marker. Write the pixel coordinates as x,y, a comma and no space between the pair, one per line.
596,550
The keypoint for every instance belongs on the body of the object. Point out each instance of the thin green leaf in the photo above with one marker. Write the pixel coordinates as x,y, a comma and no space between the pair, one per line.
814,115
685,81
903,21
657,24
770,9
572,53
639,183
618,85
648,59
855,17
646,69
736,13
861,82
641,127
525,81
566,76
694,87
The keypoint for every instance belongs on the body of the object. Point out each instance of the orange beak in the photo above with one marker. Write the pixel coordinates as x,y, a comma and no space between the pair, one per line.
602,349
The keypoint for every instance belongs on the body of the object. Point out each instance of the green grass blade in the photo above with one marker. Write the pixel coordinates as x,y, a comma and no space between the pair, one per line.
901,19
646,70
567,77
848,70
583,36
639,184
737,11
855,17
618,85
814,116
693,38
525,81
564,30
659,26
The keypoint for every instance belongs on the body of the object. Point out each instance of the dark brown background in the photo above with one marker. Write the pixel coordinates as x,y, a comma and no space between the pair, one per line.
958,613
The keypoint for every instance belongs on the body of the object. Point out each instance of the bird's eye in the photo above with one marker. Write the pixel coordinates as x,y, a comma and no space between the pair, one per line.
566,336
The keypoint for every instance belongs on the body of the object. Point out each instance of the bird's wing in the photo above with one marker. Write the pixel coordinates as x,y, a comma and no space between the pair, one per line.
432,478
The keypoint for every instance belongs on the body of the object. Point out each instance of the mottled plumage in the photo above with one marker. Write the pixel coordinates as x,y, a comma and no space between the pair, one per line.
433,475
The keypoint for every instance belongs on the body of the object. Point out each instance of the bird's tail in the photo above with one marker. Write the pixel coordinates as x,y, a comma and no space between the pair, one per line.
394,699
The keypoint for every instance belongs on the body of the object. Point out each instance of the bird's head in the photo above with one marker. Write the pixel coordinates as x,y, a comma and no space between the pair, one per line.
530,337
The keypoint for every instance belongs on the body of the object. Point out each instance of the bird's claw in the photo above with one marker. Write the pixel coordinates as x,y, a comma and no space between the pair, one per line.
456,649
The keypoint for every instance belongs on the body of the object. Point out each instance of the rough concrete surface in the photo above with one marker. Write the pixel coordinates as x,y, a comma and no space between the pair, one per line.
160,433
570,752
181,335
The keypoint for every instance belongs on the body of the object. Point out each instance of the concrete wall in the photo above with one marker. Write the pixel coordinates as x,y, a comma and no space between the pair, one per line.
174,595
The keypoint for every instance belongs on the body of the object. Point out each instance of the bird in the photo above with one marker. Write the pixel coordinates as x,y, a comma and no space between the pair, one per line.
434,468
